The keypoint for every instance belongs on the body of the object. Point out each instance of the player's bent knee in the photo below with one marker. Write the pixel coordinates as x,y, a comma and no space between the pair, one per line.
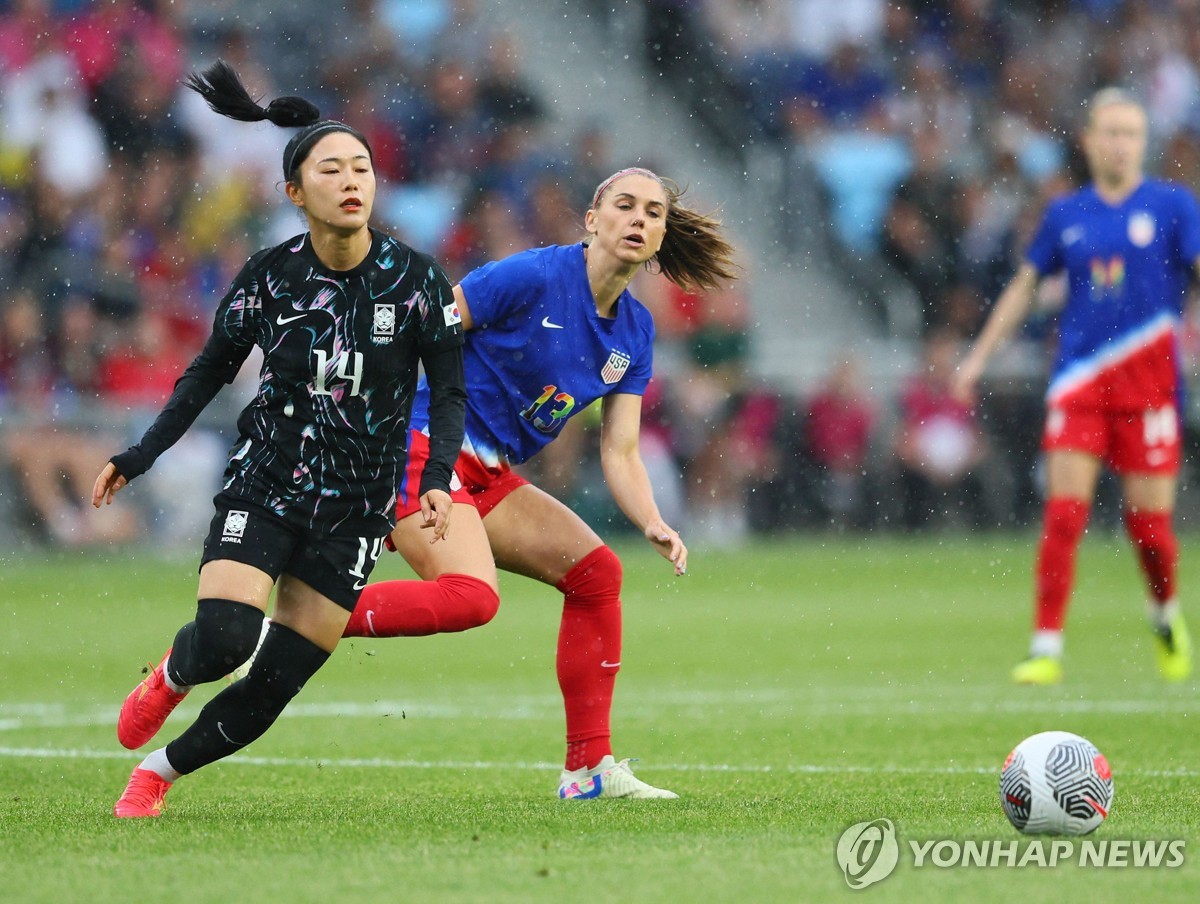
476,602
227,631
597,575
1066,519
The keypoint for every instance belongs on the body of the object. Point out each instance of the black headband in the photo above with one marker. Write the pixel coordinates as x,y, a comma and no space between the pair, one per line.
302,142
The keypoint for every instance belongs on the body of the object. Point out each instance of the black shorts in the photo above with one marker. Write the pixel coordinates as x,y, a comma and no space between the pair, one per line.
334,566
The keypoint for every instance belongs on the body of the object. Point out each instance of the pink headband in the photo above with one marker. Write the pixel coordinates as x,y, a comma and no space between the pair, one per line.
619,174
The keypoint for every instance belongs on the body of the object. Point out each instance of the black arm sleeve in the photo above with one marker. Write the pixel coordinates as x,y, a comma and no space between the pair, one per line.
447,413
215,366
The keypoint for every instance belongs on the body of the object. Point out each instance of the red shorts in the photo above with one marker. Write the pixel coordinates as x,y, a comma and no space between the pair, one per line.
1138,442
1124,414
473,482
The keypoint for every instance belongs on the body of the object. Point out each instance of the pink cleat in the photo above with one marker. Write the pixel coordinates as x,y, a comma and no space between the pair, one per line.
145,795
146,708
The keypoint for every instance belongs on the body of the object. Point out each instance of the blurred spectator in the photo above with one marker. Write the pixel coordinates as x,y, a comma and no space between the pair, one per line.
939,445
26,368
845,88
590,155
504,93
819,27
488,230
1181,159
42,259
857,171
988,210
53,465
752,32
134,104
975,36
658,452
860,170
838,427
28,29
1024,124
716,430
45,116
552,220
931,109
920,228
448,138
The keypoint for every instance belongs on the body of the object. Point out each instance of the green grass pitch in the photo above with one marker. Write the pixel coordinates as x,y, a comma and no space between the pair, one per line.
786,691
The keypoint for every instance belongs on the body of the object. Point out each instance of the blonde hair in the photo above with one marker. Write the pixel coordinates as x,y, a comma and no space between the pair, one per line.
1111,97
695,255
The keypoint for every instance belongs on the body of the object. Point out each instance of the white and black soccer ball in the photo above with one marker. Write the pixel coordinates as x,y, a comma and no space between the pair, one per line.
1056,783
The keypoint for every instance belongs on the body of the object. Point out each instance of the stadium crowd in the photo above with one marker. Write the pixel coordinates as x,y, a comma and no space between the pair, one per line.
931,135
934,130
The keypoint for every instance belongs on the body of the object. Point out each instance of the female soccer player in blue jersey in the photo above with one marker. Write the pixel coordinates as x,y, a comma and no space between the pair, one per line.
1129,246
342,314
549,331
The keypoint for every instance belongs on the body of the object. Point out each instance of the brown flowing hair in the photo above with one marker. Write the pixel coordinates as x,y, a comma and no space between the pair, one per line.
695,255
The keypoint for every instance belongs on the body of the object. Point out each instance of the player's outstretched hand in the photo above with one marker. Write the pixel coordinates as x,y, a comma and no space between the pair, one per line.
435,513
668,544
106,485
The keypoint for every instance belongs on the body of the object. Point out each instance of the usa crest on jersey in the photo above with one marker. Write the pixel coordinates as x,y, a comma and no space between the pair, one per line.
1141,228
615,367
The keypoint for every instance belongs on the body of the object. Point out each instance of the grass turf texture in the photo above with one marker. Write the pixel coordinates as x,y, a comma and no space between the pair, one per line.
785,691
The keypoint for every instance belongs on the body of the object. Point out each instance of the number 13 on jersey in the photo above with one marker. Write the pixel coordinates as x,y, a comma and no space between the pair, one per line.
552,403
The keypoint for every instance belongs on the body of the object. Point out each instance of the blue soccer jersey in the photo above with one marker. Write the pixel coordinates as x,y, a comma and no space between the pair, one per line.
538,353
1127,268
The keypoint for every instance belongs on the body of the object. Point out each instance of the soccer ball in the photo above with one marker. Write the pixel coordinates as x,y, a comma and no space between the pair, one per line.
1056,783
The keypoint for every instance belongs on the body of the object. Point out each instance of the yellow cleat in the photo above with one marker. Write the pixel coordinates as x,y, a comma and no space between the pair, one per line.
1173,649
1042,670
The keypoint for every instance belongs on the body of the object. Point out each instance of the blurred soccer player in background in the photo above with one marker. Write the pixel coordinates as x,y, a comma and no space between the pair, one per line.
1129,245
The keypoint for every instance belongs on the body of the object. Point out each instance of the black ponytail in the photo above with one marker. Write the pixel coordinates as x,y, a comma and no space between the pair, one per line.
225,93
220,86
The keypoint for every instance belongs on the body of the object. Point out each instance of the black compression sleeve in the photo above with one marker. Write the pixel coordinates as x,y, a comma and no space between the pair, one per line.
447,412
214,367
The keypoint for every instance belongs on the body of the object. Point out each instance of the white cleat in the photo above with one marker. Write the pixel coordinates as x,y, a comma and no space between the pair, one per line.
244,669
609,779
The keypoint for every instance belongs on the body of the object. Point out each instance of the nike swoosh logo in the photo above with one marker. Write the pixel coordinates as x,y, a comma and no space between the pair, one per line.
221,729
281,320
371,622
605,664
551,326
359,585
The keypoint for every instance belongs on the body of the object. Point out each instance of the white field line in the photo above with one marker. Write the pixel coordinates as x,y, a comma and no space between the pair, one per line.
27,716
49,753
870,703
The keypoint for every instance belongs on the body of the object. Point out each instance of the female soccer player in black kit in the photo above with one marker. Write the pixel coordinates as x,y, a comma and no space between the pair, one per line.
342,314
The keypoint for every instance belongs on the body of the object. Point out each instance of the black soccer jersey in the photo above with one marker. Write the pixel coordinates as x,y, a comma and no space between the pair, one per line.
323,441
